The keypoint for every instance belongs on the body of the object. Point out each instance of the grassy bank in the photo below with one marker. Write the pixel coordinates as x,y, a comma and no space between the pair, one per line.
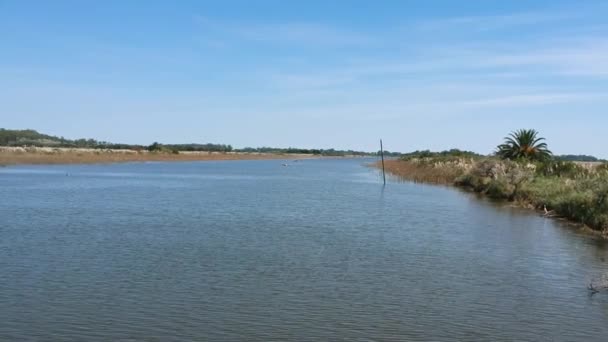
46,155
575,191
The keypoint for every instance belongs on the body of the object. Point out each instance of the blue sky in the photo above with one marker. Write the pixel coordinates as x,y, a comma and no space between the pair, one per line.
419,74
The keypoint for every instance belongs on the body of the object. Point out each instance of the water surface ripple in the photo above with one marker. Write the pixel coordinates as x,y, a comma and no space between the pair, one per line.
251,250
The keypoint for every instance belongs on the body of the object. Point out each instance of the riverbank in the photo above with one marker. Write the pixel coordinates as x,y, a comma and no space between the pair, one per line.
48,155
577,192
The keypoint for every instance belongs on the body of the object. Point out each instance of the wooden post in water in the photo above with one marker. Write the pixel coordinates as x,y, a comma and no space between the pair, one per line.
382,156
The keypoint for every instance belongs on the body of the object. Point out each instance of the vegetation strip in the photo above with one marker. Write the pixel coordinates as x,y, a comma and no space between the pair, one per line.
31,138
45,155
522,171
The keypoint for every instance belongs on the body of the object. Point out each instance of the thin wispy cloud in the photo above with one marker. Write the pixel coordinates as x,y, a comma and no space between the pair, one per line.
494,22
304,33
585,58
530,100
567,59
310,81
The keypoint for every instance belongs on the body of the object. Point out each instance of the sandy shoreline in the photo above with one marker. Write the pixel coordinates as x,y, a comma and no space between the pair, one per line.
49,155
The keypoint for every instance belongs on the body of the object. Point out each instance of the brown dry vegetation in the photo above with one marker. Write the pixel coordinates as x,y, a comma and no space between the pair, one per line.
422,173
17,156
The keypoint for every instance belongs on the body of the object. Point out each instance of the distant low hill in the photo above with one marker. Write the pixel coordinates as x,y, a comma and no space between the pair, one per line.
10,137
30,137
580,158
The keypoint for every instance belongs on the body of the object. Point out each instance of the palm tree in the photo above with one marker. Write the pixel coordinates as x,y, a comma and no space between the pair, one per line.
524,143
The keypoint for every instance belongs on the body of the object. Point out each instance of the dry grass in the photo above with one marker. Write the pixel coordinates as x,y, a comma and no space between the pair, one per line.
18,156
574,191
422,173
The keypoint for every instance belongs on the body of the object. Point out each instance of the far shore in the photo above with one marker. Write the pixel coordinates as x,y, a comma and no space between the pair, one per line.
50,155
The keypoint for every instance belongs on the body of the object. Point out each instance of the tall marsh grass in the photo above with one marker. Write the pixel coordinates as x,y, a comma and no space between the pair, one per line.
576,191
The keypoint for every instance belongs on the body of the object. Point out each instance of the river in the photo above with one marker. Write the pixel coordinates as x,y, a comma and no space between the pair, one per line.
257,251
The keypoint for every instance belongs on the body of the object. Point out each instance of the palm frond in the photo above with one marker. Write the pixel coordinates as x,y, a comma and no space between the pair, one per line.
523,143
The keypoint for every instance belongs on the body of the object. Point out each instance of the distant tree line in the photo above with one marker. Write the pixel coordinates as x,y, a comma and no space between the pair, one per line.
322,152
30,137
447,153
27,136
278,150
33,138
200,147
576,157
468,154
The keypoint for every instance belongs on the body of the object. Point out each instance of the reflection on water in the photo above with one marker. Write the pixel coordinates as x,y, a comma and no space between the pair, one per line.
250,250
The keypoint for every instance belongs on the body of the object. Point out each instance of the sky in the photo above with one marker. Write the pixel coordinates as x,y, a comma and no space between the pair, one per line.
311,74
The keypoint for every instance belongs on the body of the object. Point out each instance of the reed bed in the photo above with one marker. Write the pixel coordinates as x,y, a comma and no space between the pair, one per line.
574,191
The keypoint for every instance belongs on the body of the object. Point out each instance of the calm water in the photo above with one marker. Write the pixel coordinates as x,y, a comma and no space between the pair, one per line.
251,250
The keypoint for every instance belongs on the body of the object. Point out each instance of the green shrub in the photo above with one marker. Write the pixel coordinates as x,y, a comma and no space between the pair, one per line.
577,205
155,147
560,168
474,182
500,189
